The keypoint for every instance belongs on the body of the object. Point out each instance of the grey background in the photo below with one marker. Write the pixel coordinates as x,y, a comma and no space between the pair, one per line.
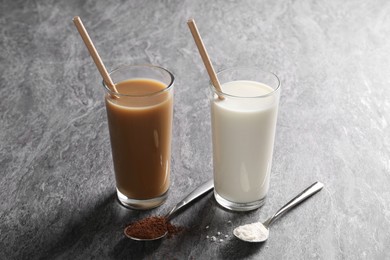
57,195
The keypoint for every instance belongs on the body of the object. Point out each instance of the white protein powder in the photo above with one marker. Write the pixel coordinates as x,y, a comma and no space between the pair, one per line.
255,232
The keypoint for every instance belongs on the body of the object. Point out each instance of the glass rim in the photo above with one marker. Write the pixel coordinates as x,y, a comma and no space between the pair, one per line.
274,90
167,88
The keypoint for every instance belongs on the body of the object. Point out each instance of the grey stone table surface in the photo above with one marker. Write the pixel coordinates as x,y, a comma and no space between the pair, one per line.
57,185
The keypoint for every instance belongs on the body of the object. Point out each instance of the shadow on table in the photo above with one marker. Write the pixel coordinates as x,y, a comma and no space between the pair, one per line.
126,248
222,218
237,249
98,222
138,250
82,232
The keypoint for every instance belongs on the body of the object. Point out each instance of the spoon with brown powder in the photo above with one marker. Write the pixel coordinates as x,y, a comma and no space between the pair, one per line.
157,227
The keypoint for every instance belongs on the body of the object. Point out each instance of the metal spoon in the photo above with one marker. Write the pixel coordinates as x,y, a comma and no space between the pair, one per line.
250,232
198,192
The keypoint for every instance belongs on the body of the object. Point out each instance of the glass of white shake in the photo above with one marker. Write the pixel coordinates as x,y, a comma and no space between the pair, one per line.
243,119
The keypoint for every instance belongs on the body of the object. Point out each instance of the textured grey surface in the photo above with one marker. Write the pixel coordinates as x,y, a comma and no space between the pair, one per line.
57,183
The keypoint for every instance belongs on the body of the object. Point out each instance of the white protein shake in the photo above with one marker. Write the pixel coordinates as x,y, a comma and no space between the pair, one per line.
243,128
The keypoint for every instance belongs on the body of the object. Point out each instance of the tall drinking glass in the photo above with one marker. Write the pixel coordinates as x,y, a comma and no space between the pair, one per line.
140,126
243,131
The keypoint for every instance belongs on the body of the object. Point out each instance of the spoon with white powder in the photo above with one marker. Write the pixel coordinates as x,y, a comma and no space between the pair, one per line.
258,232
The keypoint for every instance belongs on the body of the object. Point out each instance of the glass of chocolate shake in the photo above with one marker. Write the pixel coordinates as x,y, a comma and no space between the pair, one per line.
140,125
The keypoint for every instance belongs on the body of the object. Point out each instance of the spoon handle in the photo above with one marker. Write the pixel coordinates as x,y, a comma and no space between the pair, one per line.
310,191
201,190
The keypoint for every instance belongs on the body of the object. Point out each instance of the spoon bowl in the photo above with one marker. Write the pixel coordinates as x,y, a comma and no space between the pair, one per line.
255,232
259,232
144,239
198,192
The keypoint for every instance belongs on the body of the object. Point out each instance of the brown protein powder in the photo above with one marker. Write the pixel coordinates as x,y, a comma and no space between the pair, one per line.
152,227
